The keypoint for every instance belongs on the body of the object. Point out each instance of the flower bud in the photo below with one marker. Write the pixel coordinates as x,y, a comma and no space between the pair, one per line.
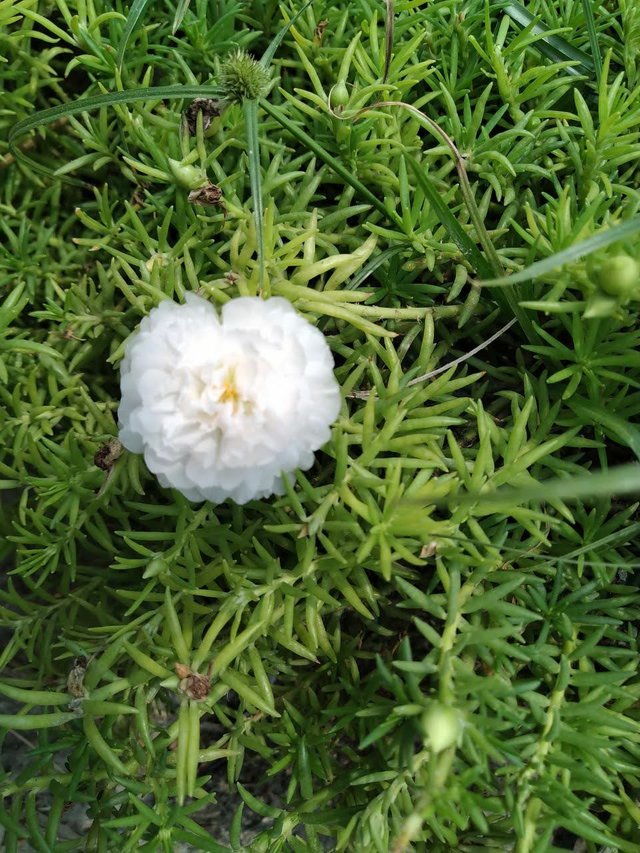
599,306
189,177
339,96
156,567
619,276
441,726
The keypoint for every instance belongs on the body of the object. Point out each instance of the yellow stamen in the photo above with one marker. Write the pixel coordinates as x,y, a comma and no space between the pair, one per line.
229,395
230,392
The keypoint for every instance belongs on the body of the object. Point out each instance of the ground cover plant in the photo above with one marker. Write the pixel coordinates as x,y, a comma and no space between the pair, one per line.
430,642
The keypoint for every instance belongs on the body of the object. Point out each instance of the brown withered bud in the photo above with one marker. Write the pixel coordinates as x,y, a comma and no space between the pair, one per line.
69,335
209,194
75,679
428,550
318,33
137,199
192,684
210,109
106,457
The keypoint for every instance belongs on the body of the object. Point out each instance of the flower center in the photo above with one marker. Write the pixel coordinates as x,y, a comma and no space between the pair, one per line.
229,393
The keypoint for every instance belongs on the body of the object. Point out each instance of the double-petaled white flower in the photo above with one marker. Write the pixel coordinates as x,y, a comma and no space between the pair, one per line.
223,406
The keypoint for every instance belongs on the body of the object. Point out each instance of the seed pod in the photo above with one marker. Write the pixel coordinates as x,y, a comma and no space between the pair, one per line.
243,77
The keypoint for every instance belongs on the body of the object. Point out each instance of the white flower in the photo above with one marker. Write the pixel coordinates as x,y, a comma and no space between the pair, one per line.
222,406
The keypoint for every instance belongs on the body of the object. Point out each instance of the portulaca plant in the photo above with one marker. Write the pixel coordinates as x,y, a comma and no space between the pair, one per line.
225,406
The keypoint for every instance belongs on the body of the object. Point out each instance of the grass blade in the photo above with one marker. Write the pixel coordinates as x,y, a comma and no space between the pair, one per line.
150,93
587,5
552,46
181,11
580,250
270,52
621,480
388,39
135,13
372,265
333,163
455,230
469,249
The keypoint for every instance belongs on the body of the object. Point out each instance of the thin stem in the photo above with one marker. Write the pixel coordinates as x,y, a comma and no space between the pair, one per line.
250,109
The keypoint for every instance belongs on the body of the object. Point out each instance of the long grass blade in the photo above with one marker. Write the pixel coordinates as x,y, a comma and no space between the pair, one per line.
388,39
580,250
135,13
457,233
621,480
309,142
552,46
108,99
270,52
473,254
372,265
181,11
590,21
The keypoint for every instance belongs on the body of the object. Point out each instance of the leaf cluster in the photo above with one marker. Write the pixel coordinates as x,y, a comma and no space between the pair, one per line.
440,551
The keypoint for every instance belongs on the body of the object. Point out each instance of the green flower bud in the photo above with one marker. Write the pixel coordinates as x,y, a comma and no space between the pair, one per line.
599,306
339,95
156,567
189,177
242,77
619,276
441,726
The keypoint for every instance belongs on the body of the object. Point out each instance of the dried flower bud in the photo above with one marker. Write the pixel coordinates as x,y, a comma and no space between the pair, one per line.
108,454
318,33
243,77
209,194
192,684
75,679
209,107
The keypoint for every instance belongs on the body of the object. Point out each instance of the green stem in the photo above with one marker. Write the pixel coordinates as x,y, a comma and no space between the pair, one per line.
531,805
250,108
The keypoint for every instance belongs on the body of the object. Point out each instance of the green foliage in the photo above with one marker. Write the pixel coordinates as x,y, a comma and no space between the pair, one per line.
431,641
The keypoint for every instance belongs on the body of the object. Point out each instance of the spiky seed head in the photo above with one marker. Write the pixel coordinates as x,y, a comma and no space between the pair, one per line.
243,77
